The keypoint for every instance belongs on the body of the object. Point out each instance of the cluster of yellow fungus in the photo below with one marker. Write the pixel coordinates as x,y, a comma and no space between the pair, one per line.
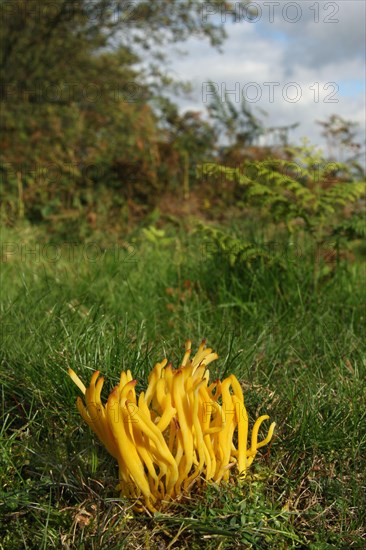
181,429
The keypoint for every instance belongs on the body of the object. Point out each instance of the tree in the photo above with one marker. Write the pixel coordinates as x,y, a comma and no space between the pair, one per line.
187,141
73,97
341,136
238,123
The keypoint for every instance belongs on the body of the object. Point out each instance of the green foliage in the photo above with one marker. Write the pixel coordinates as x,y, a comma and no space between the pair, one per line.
303,188
156,236
237,253
352,228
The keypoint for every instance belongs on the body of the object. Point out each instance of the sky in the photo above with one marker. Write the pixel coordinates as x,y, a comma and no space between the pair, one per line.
298,61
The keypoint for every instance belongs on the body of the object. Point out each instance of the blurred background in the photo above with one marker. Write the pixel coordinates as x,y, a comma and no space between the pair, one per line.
110,109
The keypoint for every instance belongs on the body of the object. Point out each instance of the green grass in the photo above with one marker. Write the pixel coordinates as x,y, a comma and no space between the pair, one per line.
293,337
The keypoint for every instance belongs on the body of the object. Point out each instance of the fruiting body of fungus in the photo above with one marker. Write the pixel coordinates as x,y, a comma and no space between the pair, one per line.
180,430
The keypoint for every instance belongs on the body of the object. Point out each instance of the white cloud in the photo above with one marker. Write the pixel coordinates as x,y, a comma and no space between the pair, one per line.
322,58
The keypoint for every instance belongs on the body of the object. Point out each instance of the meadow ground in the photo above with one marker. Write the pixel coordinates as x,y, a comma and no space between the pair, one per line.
293,337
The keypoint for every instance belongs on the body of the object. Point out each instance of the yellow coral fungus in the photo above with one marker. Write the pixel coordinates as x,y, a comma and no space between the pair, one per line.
181,429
